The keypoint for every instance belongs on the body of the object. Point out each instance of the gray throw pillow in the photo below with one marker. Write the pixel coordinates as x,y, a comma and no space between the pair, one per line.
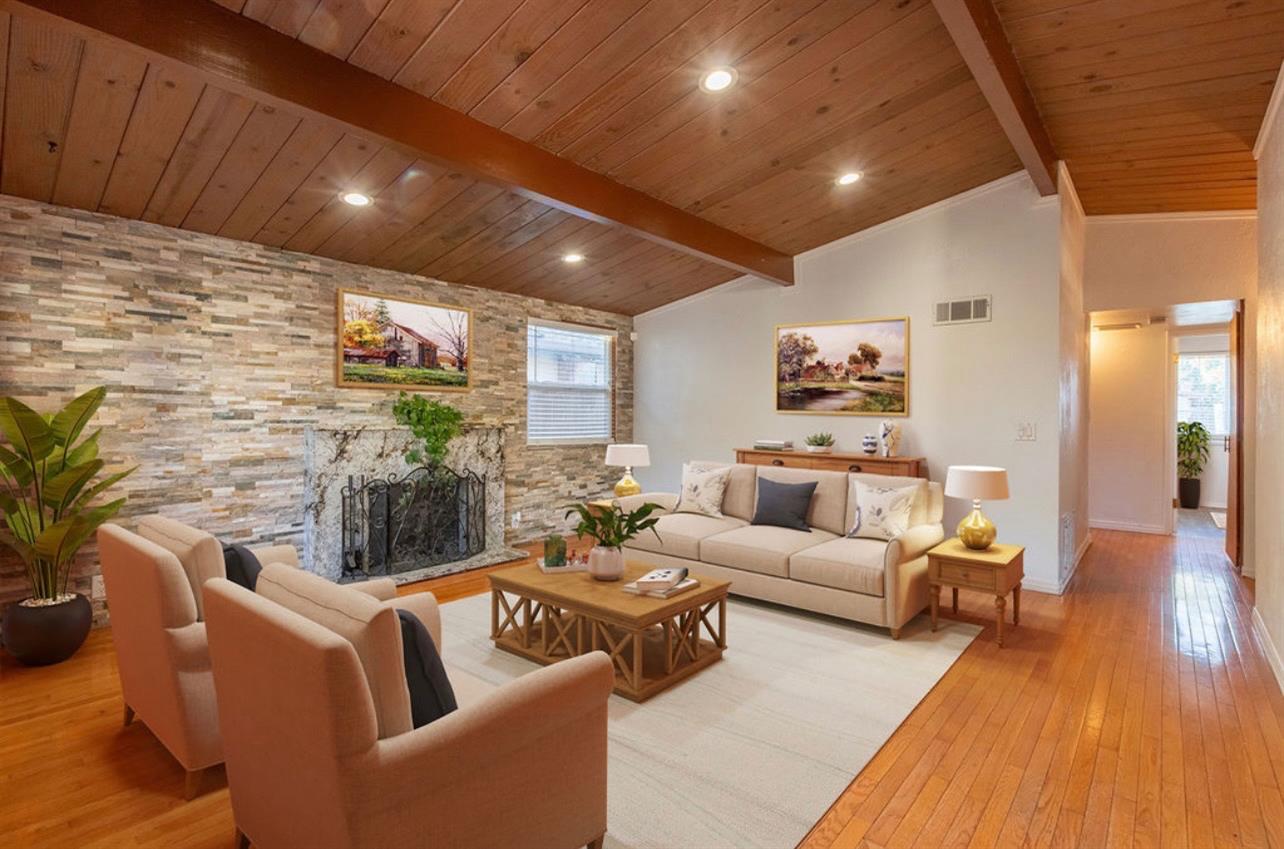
431,696
783,504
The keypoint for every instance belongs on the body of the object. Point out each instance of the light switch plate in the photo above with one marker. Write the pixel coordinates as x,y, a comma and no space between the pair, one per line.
96,588
1027,432
517,518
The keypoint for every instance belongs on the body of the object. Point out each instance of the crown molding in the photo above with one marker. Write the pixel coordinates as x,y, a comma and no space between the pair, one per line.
1272,112
1209,215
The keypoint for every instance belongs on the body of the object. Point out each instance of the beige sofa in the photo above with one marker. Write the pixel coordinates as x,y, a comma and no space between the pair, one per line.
866,580
321,751
155,590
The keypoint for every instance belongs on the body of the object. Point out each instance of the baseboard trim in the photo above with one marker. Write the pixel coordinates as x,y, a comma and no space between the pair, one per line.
1133,527
1028,583
1268,648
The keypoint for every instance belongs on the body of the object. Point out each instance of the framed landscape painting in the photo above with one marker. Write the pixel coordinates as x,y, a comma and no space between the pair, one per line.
397,343
843,368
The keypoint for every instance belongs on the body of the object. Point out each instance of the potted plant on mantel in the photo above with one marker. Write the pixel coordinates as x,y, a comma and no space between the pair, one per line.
611,529
1192,456
48,496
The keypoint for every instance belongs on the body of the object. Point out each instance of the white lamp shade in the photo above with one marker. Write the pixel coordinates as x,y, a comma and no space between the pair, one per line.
628,455
984,483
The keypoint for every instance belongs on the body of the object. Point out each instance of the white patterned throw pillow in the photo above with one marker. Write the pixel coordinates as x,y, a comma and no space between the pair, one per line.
881,512
702,489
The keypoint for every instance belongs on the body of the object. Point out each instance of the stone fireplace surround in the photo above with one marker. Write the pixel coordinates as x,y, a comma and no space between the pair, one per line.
332,454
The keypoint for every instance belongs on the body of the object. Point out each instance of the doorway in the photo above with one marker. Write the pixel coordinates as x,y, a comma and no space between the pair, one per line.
1202,390
1148,370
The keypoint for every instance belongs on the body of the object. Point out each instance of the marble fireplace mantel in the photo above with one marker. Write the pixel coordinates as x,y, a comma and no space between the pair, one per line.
332,454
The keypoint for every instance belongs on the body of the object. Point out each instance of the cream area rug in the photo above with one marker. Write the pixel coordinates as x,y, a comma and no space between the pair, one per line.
751,751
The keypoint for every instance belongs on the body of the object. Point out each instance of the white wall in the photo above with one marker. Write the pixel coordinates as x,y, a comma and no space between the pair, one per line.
1269,504
1073,503
705,372
1151,261
1129,468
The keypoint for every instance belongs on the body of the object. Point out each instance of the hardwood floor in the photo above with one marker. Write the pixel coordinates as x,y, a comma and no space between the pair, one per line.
1136,710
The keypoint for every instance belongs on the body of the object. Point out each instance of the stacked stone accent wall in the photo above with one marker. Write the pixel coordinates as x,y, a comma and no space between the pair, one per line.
218,353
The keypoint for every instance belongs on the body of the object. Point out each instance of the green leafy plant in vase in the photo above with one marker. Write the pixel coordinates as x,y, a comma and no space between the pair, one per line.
611,529
1192,455
820,443
51,486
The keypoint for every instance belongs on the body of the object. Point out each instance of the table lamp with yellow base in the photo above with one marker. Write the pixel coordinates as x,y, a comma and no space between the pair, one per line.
977,483
627,456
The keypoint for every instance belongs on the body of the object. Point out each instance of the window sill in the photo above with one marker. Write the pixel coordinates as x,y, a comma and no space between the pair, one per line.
564,443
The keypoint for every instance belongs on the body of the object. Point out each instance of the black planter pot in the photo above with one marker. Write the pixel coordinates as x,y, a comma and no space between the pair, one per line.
1188,492
39,636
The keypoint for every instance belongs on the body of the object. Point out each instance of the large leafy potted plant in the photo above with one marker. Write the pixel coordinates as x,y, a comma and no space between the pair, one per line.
611,529
1192,456
50,487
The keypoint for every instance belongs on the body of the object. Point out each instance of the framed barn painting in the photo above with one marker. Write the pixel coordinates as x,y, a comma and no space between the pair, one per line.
397,343
844,368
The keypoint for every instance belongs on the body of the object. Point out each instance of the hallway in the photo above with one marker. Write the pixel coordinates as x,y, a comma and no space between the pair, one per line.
1136,710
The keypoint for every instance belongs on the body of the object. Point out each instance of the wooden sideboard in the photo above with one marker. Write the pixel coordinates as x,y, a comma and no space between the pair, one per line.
910,467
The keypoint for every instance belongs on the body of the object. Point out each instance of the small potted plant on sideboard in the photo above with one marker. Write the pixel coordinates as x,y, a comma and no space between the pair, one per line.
1192,456
820,443
611,529
50,488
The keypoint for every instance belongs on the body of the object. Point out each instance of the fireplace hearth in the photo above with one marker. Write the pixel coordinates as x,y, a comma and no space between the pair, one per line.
431,516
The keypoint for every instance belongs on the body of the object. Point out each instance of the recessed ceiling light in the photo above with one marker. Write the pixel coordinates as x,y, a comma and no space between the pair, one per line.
356,199
719,79
572,258
848,178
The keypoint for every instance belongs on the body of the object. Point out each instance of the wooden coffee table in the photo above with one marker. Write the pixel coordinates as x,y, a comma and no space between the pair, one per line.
653,642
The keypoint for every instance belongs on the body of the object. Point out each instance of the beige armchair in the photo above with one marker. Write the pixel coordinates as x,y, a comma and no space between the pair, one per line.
524,765
155,580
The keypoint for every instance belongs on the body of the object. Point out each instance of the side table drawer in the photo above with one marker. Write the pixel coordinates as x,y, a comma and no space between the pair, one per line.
967,576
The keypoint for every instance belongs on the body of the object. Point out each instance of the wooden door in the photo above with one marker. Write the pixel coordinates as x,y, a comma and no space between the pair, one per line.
1235,476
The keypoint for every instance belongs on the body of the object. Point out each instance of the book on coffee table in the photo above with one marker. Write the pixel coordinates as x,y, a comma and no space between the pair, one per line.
632,589
662,579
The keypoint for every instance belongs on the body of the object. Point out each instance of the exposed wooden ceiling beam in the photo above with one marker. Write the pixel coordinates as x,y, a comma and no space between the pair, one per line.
236,53
975,27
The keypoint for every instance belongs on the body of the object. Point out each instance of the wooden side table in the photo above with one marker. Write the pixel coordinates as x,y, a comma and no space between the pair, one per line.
998,570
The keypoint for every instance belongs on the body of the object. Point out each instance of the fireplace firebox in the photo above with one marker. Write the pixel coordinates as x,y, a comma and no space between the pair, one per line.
430,516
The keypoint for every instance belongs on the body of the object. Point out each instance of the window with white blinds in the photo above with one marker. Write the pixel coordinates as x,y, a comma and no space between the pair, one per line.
568,383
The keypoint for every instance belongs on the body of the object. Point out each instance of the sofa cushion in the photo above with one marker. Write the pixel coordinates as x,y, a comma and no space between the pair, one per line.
680,534
742,487
765,549
855,565
784,505
199,553
828,506
373,629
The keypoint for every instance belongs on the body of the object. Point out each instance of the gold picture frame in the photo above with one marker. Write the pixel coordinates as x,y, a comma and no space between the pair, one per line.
407,344
843,373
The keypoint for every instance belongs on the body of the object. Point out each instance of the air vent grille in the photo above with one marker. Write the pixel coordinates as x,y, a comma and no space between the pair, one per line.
964,310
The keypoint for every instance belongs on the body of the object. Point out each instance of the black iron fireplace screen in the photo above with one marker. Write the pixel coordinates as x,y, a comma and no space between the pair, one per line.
431,516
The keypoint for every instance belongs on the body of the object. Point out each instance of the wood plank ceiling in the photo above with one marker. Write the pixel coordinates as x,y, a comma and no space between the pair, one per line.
1154,104
825,86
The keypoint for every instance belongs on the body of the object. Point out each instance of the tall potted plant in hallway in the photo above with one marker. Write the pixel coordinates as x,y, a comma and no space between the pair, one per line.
49,482
1192,456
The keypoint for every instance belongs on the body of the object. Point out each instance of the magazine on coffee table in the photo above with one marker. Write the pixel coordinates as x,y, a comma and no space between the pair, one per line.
689,583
